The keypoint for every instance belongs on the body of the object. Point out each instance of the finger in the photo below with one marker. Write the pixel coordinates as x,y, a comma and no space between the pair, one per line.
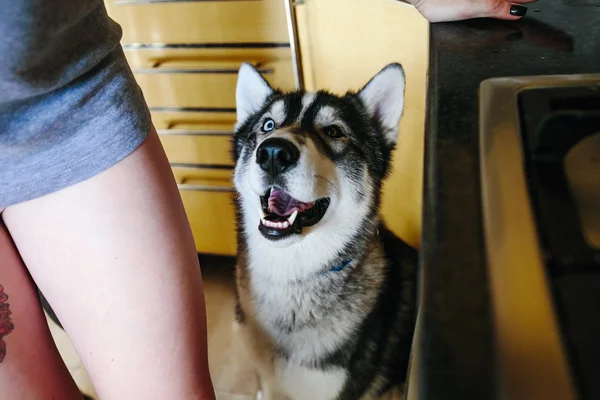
509,11
500,9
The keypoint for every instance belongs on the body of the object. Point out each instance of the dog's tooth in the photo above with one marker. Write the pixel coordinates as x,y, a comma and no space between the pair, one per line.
264,222
292,217
285,224
261,213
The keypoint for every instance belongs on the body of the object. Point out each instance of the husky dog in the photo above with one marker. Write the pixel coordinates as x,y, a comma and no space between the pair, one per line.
326,294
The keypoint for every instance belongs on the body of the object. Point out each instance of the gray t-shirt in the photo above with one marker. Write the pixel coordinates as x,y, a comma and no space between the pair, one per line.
69,104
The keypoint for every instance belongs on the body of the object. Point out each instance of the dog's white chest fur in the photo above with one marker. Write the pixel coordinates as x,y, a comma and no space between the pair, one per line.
301,383
304,320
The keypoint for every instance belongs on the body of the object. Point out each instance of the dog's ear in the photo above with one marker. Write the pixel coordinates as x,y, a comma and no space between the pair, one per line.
251,92
383,96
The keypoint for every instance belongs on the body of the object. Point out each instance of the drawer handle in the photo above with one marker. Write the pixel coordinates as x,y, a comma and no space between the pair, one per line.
137,2
290,14
202,166
202,188
205,188
184,46
233,71
404,2
185,132
194,109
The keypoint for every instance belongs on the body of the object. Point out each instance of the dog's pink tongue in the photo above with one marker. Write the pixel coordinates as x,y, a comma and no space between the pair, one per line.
283,204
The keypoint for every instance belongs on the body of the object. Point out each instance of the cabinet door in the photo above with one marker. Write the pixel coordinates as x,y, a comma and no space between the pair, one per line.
200,21
343,43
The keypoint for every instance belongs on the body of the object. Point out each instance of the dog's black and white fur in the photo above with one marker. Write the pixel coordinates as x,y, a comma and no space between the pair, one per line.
326,298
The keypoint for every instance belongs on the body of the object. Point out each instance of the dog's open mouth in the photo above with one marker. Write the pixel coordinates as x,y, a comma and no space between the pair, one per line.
281,215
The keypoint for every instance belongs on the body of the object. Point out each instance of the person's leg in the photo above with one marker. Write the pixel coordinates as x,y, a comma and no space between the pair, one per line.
115,257
30,364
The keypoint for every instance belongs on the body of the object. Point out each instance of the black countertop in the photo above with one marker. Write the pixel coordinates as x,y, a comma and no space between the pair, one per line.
453,354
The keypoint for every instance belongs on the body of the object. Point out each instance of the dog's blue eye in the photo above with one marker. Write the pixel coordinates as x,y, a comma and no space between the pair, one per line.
269,125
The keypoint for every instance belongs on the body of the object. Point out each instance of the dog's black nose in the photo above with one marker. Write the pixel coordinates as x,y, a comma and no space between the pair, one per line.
277,155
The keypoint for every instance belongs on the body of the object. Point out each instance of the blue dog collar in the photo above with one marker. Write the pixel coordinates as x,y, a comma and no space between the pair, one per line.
341,266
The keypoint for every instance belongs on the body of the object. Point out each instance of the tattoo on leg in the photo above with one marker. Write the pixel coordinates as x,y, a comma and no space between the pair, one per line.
6,325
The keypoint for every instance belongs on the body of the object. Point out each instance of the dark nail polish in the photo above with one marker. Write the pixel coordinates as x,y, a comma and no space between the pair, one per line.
519,11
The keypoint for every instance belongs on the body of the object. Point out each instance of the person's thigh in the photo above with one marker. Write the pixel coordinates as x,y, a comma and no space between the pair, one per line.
115,257
30,364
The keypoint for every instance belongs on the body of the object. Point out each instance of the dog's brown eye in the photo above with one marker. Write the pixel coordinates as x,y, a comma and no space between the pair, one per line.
334,132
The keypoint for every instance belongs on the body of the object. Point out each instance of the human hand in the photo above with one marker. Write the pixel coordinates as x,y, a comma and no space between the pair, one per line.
456,10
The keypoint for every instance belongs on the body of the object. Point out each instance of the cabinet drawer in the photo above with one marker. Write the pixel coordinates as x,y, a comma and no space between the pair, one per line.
208,196
197,147
193,120
192,137
201,21
199,79
201,87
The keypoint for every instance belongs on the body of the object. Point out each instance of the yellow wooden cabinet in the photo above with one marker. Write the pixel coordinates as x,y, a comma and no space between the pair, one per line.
185,56
343,43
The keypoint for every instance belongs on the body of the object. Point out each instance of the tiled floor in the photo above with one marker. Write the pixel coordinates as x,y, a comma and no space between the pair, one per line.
232,375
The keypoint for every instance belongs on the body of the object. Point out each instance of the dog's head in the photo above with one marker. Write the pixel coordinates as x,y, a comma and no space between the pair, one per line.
309,166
